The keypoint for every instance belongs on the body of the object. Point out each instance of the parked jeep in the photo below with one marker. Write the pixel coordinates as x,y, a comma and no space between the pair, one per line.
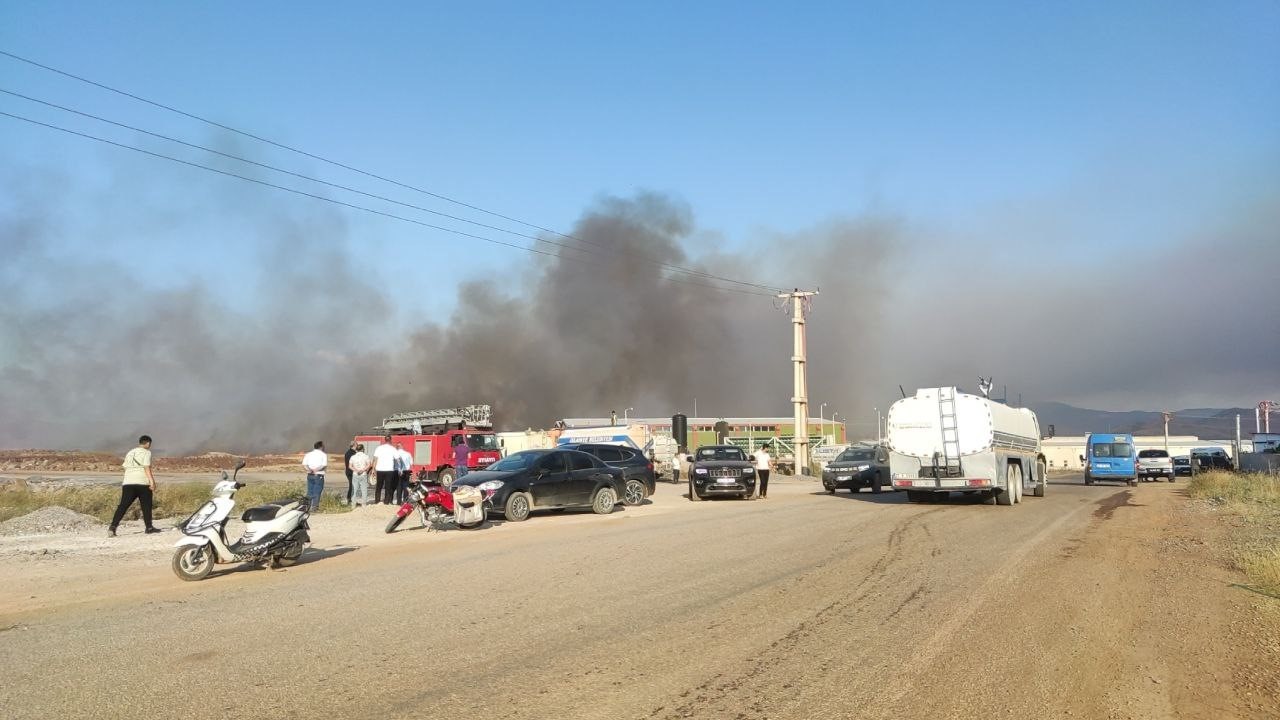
721,470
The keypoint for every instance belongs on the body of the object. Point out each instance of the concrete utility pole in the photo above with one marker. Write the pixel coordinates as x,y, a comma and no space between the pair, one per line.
800,395
1167,417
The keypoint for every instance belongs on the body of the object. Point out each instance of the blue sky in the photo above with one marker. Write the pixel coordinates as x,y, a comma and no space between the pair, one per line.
1064,128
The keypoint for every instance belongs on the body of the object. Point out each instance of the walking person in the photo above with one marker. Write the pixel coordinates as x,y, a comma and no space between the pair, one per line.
677,462
764,464
404,468
461,454
346,461
315,462
138,484
384,464
358,465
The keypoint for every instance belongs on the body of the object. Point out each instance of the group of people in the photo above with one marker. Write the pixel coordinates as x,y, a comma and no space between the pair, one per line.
389,470
762,462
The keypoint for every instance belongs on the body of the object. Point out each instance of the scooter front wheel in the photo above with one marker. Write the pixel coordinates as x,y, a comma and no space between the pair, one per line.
193,562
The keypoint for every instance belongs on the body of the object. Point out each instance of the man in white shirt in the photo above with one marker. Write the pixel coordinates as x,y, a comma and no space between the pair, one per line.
315,462
404,463
384,464
138,484
360,465
677,465
763,466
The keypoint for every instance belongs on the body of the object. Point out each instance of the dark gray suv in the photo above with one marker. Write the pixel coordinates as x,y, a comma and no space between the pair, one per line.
721,470
639,479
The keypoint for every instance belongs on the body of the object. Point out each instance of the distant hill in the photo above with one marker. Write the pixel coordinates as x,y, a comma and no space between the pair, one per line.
1205,423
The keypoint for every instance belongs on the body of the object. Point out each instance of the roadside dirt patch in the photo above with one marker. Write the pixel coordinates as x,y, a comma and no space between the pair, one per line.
49,520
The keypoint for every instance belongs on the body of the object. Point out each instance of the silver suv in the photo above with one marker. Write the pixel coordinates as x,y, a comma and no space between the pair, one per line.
1155,464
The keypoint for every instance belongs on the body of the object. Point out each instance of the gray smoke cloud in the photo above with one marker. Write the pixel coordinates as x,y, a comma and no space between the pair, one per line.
91,355
574,333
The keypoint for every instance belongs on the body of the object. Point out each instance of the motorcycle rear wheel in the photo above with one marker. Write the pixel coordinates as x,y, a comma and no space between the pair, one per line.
193,562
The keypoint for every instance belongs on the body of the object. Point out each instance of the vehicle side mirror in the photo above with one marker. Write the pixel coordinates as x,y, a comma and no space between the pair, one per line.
240,465
752,458
1081,458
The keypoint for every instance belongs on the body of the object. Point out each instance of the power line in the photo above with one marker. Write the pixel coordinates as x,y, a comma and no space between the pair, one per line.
340,186
342,203
335,163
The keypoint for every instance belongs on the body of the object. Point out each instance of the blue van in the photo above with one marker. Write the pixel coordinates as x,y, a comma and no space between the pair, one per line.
1110,457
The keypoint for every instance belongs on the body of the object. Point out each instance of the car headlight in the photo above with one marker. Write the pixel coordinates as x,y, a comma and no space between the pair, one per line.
489,485
700,471
749,471
860,468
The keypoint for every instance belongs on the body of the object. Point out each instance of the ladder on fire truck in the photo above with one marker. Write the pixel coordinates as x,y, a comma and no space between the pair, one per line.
429,421
950,434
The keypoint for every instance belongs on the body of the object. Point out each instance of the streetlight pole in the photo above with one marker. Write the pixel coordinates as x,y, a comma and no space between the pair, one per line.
834,439
624,415
822,423
879,438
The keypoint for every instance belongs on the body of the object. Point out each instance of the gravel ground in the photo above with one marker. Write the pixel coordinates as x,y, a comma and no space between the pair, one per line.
1098,602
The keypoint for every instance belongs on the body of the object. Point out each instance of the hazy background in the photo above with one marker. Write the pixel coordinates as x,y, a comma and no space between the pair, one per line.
1081,202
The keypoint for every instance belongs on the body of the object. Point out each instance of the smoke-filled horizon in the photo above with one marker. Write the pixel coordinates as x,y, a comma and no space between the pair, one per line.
303,344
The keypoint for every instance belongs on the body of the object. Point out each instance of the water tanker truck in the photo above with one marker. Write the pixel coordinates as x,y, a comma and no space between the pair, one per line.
943,441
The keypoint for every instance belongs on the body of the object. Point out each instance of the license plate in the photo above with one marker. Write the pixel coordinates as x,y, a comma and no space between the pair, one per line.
725,481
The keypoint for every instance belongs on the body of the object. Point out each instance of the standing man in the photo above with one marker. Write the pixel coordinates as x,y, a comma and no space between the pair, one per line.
677,461
764,464
138,483
384,464
461,454
404,461
346,460
359,465
315,462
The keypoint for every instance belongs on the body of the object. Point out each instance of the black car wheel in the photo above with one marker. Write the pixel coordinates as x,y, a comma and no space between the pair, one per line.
605,499
633,492
517,507
693,492
875,484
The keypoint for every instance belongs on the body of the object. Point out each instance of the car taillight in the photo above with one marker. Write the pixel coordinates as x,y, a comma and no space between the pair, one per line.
650,466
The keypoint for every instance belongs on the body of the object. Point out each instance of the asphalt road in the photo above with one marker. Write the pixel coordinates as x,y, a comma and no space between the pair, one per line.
804,605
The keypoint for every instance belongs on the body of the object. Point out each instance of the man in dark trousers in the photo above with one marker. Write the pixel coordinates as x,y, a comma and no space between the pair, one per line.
346,461
138,484
460,456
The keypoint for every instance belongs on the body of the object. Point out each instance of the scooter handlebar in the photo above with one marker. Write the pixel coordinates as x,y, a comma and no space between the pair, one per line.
239,485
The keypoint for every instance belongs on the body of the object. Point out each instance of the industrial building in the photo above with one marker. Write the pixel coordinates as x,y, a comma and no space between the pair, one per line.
748,431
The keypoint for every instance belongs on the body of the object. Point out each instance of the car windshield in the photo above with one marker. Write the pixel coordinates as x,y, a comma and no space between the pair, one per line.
519,461
1153,454
719,453
859,454
482,442
1115,450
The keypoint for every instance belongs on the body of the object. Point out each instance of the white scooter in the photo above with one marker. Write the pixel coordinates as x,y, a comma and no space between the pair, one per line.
274,533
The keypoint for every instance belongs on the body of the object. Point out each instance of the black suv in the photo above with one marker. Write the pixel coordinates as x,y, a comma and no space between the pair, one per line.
637,472
721,470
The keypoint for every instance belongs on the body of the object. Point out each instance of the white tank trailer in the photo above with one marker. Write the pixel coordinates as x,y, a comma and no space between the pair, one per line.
942,441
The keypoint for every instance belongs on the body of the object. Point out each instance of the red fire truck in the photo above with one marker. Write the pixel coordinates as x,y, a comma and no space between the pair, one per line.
429,436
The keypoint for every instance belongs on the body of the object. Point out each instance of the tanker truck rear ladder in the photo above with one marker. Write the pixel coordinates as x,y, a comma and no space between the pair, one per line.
419,422
950,435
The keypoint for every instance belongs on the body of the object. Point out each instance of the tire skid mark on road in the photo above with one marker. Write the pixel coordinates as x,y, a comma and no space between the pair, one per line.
726,688
999,579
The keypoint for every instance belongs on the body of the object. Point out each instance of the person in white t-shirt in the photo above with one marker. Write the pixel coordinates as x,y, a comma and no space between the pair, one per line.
360,464
764,464
677,465
138,484
315,462
384,464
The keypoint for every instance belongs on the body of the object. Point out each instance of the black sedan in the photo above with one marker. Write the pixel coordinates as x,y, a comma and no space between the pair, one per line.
856,468
637,470
548,479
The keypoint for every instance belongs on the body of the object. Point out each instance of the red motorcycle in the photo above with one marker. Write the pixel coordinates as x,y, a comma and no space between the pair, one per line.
439,506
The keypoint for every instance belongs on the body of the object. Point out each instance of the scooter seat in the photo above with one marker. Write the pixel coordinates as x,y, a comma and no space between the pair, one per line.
269,511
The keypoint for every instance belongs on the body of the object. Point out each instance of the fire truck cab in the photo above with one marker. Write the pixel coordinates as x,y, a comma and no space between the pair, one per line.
429,435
